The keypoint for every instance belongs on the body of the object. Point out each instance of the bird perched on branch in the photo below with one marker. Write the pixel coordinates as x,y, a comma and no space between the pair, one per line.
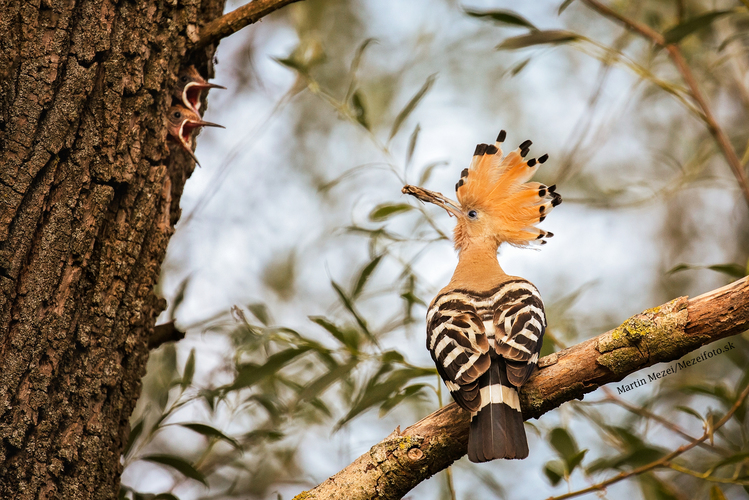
190,86
485,328
181,123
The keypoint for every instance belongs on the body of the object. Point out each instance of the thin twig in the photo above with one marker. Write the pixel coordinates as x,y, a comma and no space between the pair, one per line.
663,461
230,23
611,397
707,477
717,132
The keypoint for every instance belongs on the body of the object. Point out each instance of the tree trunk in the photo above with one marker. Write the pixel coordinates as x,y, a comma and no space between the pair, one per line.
89,195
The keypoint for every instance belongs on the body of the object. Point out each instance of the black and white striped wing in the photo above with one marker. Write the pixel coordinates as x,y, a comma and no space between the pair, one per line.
519,322
459,347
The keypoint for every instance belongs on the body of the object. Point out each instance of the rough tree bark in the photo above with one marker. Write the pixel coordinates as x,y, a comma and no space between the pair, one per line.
391,468
89,195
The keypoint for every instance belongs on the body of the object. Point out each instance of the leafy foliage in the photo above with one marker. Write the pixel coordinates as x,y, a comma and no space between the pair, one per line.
238,421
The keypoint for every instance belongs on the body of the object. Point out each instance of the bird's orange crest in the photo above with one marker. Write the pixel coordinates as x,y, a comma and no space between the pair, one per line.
497,200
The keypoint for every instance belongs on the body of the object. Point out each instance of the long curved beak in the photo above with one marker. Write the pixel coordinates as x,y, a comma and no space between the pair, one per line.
452,207
201,123
209,86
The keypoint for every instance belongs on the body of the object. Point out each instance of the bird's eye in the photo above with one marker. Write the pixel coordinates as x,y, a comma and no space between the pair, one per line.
177,114
472,214
184,79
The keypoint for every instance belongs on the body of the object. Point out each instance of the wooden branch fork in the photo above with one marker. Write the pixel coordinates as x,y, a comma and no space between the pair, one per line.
665,333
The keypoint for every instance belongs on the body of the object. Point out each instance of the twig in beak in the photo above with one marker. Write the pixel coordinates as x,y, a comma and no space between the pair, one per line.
452,207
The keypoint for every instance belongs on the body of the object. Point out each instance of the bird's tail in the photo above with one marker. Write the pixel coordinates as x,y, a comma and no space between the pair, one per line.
497,428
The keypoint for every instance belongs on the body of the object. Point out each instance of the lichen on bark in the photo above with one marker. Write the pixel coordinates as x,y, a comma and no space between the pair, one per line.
651,336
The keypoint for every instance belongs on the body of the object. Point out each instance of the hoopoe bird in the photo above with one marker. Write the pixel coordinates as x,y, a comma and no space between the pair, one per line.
190,86
181,123
485,328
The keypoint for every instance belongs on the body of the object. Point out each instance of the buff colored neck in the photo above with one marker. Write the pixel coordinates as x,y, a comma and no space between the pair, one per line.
478,268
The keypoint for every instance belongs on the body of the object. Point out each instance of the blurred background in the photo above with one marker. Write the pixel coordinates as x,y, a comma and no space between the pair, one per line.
301,273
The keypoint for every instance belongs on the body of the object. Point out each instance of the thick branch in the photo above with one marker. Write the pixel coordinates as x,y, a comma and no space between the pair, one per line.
166,332
394,466
230,23
673,50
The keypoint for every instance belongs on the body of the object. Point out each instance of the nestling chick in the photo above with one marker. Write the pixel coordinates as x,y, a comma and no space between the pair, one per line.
190,86
181,123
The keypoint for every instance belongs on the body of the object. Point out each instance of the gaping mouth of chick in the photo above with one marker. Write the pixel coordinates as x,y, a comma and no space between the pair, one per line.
192,94
185,133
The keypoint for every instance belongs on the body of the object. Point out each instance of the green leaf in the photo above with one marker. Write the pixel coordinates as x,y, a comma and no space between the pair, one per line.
412,143
716,493
189,370
359,110
519,67
564,6
655,489
640,457
733,270
739,457
250,373
347,337
364,276
260,311
389,357
563,443
679,268
725,43
376,392
179,464
502,17
409,392
258,435
538,38
408,109
690,411
719,391
427,172
355,62
554,471
210,432
349,306
165,496
290,62
135,433
682,30
179,297
385,211
575,460
317,387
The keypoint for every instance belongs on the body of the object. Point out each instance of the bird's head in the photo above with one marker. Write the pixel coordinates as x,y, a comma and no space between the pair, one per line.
495,203
181,122
189,86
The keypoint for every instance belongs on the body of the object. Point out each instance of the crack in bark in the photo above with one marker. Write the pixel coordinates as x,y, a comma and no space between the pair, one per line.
87,190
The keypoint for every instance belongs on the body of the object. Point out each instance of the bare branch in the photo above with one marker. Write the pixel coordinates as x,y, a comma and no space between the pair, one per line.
230,23
164,333
645,413
673,50
664,461
666,333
